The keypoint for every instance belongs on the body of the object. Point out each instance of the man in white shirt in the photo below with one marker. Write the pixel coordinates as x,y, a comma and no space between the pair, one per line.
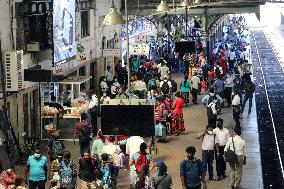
140,87
222,135
110,148
229,83
165,86
236,144
236,105
133,146
232,60
164,71
195,81
209,143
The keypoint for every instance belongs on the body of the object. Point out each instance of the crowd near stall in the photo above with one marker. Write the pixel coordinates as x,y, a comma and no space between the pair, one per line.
224,76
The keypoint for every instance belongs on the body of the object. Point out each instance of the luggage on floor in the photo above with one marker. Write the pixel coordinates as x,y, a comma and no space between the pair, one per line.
160,131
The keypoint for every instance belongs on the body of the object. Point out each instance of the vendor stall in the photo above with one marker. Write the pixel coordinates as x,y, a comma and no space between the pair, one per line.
63,103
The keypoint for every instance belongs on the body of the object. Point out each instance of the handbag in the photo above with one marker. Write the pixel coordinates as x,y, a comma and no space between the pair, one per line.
159,182
231,157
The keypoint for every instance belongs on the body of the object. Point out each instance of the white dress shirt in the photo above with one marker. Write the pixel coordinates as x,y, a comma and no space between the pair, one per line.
239,144
195,81
222,135
133,145
236,100
109,149
209,142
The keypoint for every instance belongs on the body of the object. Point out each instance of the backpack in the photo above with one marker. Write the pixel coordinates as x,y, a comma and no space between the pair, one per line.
165,88
211,98
107,174
84,134
56,148
174,86
142,165
250,88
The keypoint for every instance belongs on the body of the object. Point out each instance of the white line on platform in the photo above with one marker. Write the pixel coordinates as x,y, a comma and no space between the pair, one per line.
273,125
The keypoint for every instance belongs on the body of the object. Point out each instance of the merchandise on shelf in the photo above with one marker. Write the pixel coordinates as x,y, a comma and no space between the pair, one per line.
49,111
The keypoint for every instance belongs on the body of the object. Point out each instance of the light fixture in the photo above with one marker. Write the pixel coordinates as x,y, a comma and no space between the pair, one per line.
163,7
113,17
185,3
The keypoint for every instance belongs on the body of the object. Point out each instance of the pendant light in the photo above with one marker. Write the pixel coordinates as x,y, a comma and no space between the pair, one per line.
185,3
163,7
113,17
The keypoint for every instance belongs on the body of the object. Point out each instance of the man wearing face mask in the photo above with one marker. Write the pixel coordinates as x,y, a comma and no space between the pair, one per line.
192,171
222,135
209,143
37,170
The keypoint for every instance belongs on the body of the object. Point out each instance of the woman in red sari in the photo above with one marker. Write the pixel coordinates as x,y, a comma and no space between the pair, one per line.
177,115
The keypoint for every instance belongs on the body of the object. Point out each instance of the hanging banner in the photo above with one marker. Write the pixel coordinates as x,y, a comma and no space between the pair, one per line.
139,49
111,52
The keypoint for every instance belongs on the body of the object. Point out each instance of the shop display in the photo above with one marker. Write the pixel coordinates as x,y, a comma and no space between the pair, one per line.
49,111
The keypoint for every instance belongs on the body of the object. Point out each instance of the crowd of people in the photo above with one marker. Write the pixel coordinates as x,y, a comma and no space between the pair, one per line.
226,76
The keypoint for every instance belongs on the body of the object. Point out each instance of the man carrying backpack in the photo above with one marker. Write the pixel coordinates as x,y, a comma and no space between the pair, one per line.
192,171
165,86
68,173
143,163
212,101
83,131
249,90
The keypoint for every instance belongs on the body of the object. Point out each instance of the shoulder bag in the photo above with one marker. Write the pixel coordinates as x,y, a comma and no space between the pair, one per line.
231,157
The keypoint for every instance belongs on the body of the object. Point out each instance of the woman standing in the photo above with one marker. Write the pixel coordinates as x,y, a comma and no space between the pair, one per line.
161,112
177,115
185,88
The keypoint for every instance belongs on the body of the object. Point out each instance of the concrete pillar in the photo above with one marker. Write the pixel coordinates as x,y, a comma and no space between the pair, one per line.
282,19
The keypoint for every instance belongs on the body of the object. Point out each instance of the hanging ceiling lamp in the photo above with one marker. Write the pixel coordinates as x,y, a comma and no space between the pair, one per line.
113,17
185,3
163,7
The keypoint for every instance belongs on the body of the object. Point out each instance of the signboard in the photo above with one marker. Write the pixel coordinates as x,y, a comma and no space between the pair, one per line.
111,52
142,38
139,49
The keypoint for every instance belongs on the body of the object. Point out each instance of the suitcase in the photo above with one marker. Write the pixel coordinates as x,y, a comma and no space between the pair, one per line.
160,132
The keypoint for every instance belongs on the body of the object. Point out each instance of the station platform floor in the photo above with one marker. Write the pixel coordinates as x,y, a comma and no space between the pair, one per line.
173,150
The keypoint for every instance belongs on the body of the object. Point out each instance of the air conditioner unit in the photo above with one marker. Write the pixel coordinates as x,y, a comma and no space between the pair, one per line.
14,70
33,47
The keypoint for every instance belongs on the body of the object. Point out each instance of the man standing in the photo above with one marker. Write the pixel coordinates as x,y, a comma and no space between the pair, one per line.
192,171
164,71
209,143
195,82
232,57
236,144
222,135
86,171
229,83
249,90
83,130
37,170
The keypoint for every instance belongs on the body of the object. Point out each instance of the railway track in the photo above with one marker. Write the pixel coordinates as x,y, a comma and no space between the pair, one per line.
269,97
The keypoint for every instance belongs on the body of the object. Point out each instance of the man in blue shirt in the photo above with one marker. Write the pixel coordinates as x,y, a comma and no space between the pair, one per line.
192,171
37,170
